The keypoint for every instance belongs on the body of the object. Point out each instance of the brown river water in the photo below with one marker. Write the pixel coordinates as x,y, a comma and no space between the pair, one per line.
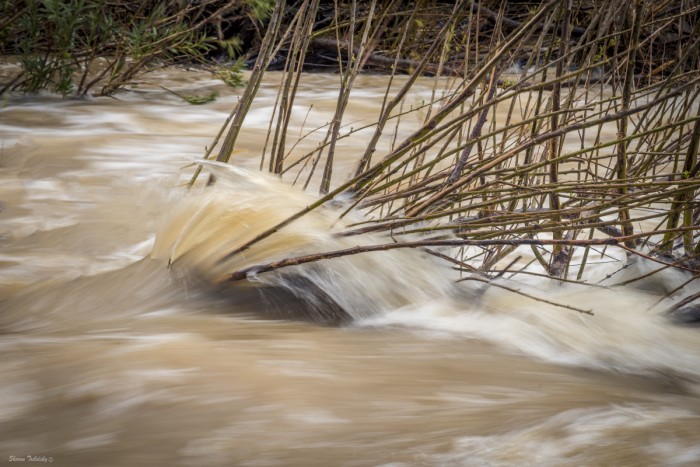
111,358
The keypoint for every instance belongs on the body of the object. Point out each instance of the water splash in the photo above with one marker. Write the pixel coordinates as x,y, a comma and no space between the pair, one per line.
204,226
409,288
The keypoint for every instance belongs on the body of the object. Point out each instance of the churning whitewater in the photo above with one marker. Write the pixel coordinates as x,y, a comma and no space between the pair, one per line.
408,288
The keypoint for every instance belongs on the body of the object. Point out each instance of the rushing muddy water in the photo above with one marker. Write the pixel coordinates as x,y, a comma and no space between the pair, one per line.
109,357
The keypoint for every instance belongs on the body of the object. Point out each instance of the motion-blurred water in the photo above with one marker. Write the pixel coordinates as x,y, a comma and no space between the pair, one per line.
109,357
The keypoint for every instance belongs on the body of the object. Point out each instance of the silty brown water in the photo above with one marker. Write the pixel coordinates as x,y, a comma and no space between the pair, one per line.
111,358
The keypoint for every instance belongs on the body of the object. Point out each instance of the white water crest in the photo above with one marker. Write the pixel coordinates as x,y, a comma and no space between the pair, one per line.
409,288
203,227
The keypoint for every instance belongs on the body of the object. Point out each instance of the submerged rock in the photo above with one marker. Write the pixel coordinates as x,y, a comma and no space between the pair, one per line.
686,316
206,233
299,299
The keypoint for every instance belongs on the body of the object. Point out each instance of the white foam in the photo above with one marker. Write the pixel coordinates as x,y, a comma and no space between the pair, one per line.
565,438
17,398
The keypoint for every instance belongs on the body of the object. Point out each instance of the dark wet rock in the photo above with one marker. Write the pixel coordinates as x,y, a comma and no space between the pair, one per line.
686,316
299,299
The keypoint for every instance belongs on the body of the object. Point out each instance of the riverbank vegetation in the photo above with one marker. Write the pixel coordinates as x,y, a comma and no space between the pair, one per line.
597,149
80,47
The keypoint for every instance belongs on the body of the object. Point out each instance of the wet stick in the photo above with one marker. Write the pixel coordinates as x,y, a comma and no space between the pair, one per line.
261,63
681,201
636,12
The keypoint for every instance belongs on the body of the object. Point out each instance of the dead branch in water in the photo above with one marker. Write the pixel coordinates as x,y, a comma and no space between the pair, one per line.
296,261
530,296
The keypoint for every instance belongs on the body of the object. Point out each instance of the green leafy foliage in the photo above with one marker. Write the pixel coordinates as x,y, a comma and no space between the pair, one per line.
232,75
200,100
74,47
260,9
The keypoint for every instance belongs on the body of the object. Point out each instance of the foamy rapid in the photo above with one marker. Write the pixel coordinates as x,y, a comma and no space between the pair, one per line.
411,289
204,226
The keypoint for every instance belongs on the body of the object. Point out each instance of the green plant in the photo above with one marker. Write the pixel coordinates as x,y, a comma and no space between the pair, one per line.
58,42
231,75
200,100
261,9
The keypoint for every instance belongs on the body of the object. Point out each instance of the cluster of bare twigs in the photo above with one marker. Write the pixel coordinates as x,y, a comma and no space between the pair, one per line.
595,143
